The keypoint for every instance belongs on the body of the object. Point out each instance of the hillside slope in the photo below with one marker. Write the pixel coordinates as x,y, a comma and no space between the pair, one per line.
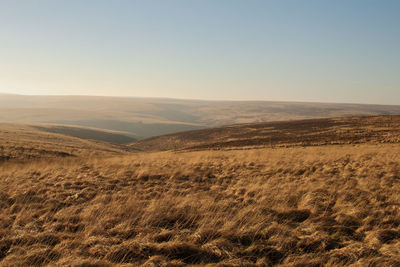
108,136
296,200
27,142
145,117
346,130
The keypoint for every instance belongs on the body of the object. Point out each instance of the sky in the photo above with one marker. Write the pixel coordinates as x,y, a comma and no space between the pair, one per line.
286,50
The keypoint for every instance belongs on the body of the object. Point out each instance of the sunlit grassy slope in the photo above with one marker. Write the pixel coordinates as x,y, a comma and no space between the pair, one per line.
309,205
108,136
27,142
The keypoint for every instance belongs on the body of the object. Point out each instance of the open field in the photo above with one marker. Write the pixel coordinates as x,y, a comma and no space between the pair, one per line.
145,117
313,206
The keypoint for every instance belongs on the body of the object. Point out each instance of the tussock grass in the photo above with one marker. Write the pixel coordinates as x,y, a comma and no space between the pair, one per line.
313,206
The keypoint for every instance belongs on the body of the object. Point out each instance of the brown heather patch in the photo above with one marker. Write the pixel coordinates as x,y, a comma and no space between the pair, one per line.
314,206
310,132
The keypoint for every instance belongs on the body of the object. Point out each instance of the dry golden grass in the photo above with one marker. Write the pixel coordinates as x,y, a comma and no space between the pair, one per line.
313,206
24,142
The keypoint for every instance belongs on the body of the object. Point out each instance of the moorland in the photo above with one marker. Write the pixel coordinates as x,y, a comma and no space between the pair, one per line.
297,193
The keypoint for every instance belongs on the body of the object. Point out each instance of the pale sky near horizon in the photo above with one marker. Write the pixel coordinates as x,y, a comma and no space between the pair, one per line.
314,50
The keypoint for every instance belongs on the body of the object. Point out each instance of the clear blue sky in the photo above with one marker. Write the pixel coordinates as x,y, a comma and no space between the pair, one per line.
303,50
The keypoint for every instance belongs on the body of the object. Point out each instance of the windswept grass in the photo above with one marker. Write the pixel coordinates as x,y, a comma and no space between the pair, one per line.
314,206
23,142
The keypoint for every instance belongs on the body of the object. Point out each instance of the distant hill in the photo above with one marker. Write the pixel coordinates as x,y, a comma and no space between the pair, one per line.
345,130
141,118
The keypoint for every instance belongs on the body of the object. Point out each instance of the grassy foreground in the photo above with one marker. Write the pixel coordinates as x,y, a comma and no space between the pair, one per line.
313,206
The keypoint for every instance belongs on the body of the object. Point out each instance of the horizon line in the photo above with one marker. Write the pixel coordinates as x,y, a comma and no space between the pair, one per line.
196,99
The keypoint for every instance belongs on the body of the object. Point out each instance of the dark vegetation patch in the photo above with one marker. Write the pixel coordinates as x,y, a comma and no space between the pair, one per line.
311,132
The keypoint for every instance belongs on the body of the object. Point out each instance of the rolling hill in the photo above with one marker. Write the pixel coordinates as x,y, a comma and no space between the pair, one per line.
141,118
264,194
40,141
108,136
345,130
282,206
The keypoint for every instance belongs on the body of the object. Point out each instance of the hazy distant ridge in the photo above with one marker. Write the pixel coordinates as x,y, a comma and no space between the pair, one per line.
145,117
